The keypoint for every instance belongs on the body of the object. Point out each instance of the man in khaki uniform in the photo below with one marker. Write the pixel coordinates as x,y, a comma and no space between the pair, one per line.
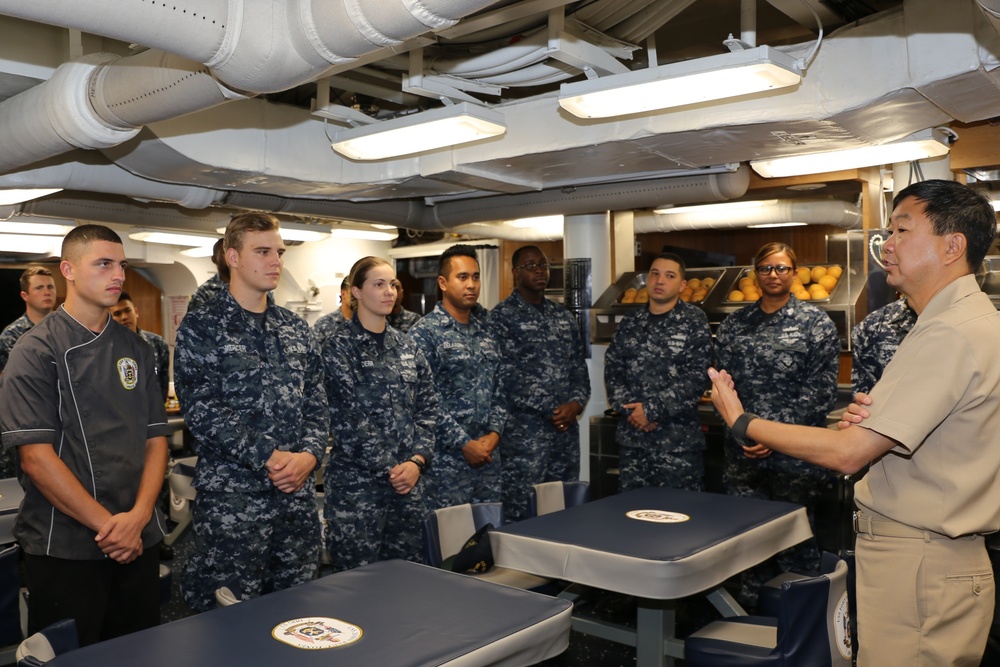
932,434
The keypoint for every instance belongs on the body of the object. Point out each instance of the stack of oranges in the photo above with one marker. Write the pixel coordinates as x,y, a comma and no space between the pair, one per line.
816,283
697,289
809,284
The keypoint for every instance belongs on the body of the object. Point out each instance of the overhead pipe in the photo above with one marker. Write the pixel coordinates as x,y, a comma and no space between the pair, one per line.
87,173
236,49
412,214
810,211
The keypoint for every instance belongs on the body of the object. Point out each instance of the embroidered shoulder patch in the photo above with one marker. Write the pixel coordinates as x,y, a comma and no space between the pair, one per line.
128,372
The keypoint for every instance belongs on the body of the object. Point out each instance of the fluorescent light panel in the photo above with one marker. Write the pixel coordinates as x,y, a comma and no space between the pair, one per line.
300,231
15,196
425,131
918,146
689,82
172,238
723,208
364,234
198,251
36,226
30,244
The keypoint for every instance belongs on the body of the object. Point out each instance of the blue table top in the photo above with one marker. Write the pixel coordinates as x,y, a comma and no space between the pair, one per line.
411,615
602,524
596,544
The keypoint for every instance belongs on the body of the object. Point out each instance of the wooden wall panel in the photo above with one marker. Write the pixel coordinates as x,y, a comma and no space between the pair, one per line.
552,249
148,300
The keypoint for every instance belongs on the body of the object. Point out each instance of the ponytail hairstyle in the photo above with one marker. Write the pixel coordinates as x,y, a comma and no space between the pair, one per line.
359,273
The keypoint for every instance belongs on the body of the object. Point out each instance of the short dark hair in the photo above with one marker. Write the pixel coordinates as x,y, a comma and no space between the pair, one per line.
955,208
30,273
459,250
124,296
82,236
520,251
256,221
673,257
773,247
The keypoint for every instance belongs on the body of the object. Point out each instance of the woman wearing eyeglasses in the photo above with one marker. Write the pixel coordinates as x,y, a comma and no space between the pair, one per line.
383,408
784,356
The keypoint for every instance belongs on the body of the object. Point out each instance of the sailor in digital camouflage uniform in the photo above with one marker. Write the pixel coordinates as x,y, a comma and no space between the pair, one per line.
383,409
465,358
785,354
127,315
654,371
545,382
38,289
209,289
400,318
874,341
327,324
250,381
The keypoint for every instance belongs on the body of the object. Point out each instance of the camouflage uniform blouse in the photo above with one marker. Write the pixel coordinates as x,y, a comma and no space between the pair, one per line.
662,362
246,392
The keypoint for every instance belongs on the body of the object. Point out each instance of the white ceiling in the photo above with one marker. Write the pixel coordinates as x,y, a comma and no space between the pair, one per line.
183,152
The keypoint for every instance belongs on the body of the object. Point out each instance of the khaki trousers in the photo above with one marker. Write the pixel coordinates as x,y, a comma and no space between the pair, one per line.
922,601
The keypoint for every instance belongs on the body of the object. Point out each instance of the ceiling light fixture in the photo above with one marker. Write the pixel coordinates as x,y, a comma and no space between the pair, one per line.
917,146
718,77
301,231
443,127
15,196
725,207
31,244
364,234
769,225
198,251
542,221
172,238
36,226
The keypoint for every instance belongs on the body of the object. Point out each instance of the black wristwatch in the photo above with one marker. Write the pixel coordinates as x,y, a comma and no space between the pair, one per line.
739,429
421,465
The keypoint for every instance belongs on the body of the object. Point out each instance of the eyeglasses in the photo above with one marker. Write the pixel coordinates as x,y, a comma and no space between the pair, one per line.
531,267
780,269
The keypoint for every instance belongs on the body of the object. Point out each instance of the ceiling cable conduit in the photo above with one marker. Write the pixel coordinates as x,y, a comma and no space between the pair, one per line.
243,47
741,215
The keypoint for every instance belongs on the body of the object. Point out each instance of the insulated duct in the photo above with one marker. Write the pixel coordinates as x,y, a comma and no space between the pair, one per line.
561,201
411,214
732,216
251,47
87,173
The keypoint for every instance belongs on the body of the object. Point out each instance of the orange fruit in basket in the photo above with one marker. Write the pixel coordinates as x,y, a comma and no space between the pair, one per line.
803,294
804,274
694,283
820,294
736,295
828,282
836,271
817,273
707,283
